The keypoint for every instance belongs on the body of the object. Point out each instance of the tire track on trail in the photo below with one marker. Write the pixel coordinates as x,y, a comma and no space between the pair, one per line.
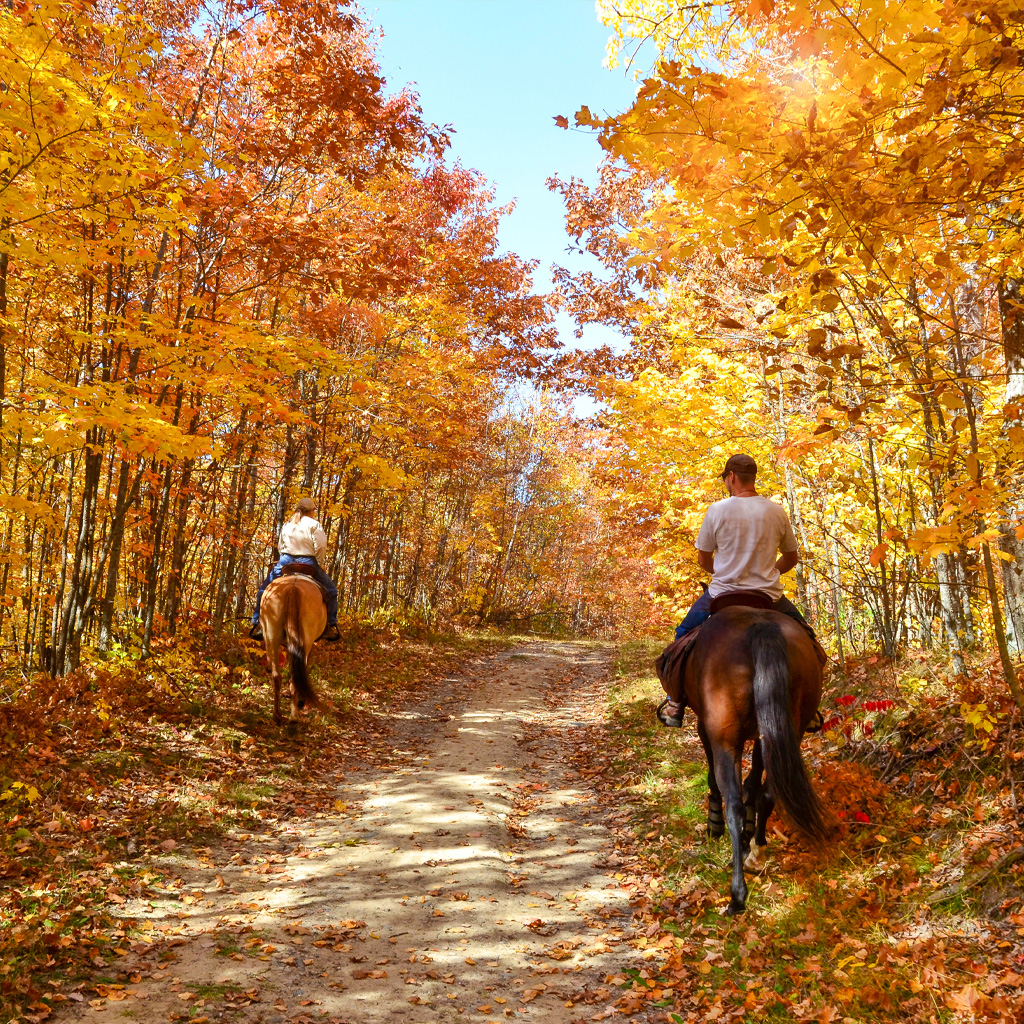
462,882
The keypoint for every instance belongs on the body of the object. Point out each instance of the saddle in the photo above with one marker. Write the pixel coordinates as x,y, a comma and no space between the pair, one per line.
745,598
671,664
301,569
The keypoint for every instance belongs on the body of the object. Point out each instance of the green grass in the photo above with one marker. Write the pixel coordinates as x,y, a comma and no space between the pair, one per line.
214,991
226,945
246,794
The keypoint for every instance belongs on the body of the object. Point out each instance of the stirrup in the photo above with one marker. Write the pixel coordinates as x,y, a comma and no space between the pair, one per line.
667,719
817,723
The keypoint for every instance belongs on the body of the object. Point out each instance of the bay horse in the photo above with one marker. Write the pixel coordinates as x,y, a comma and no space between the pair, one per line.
754,674
293,614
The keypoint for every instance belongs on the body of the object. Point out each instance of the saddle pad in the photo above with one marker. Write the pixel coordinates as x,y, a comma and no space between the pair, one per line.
306,571
746,598
671,663
298,569
755,599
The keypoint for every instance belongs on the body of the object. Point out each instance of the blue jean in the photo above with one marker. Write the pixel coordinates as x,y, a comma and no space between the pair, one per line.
701,611
325,581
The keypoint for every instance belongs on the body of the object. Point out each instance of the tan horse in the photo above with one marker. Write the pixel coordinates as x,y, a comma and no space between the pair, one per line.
292,613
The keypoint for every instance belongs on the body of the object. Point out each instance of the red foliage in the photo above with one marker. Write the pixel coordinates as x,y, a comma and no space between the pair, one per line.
853,789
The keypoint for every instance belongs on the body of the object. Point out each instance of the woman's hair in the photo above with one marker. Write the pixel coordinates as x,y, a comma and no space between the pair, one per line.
303,507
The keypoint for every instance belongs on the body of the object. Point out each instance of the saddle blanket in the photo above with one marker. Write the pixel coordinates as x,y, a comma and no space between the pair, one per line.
299,569
671,664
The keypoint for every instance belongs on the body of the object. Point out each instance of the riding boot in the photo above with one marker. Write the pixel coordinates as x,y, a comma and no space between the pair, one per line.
670,713
330,633
256,631
670,668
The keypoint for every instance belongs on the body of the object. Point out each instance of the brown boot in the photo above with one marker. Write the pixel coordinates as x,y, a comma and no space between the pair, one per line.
670,713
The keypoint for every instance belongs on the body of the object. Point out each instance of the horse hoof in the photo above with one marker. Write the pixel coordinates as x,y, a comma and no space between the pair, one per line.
754,860
734,908
716,831
292,727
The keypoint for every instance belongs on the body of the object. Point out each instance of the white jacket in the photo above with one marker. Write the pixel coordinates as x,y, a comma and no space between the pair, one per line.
304,538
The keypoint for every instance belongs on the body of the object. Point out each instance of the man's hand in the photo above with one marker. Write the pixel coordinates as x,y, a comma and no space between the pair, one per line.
706,560
787,560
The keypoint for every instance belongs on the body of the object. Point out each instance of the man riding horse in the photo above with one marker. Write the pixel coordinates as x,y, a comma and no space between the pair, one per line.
751,674
746,543
301,542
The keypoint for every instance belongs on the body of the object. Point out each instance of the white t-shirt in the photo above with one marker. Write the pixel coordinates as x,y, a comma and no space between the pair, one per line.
746,535
306,537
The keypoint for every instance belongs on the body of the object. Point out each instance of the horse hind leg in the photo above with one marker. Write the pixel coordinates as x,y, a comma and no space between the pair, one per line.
765,806
716,820
749,827
752,790
275,678
716,823
292,725
293,720
727,772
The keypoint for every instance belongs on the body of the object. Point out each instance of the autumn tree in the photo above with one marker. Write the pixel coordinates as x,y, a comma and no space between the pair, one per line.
235,267
852,173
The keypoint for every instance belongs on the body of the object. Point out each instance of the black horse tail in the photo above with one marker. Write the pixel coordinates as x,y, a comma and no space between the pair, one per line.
296,648
780,746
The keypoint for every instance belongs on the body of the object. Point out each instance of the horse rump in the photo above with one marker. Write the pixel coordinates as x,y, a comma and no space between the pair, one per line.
780,745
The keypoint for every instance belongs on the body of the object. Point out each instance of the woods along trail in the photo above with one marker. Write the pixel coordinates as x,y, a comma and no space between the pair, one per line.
467,880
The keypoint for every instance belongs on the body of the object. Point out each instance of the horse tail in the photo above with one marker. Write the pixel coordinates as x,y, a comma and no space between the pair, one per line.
296,648
780,746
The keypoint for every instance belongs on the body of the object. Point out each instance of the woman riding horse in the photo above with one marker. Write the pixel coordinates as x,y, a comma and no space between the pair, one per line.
302,541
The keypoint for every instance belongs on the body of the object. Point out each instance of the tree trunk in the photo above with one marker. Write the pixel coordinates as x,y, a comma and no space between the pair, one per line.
1013,581
884,581
1011,310
115,539
794,508
837,604
77,597
1009,672
243,566
153,571
178,548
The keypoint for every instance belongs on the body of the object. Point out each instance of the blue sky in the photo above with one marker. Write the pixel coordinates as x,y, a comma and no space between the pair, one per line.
498,71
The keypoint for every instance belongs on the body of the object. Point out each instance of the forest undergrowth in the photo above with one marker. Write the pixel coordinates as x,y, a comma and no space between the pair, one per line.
915,910
121,761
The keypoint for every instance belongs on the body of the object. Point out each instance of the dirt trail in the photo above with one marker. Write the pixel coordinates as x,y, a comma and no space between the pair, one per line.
463,882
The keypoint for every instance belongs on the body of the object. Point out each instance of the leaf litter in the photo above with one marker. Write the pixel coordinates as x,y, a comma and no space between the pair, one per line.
417,894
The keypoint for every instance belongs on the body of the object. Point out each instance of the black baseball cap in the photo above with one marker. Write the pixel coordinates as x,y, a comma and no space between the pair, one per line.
744,465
